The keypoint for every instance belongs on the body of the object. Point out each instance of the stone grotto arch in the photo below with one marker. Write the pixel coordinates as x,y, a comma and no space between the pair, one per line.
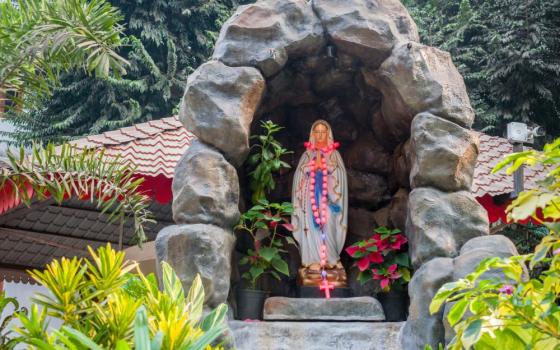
399,108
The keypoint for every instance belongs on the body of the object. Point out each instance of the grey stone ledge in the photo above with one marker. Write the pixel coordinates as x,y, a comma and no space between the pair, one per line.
320,309
317,335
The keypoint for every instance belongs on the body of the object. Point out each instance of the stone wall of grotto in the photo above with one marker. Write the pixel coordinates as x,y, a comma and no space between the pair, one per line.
399,108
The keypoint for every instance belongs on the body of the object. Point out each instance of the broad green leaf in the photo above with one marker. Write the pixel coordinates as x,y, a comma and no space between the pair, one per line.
172,284
281,266
457,311
268,253
443,293
195,299
472,333
402,259
141,330
123,345
216,317
83,339
256,271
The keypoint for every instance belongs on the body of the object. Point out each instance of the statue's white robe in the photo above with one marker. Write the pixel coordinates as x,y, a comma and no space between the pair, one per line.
305,232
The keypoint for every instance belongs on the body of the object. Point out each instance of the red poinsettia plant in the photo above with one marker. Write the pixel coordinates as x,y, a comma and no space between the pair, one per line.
382,257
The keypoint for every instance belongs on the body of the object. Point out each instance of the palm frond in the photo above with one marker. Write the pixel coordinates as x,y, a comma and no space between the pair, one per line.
66,171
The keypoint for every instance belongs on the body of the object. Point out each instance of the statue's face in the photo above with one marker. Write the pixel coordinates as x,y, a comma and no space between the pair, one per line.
320,133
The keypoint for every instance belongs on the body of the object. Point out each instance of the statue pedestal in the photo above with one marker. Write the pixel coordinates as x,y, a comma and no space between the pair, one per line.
315,309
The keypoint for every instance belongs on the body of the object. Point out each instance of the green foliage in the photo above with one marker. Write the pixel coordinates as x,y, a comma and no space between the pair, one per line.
7,339
39,39
166,40
522,312
262,223
507,51
382,258
98,313
547,196
267,160
525,237
65,171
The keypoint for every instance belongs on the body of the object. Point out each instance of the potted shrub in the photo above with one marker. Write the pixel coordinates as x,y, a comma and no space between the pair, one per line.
382,258
267,225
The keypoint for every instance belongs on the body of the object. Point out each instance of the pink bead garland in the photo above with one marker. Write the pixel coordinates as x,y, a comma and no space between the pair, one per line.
320,209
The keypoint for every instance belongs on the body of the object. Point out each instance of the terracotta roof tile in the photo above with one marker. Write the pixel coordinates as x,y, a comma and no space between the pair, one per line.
155,147
492,150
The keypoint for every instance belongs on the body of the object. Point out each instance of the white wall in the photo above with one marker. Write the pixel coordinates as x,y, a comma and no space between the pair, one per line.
23,293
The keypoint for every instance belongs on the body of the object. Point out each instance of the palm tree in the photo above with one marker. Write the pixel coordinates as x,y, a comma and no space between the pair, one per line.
41,38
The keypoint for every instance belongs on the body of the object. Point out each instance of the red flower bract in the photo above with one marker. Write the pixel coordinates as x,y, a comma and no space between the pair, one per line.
385,283
399,240
352,250
375,257
363,263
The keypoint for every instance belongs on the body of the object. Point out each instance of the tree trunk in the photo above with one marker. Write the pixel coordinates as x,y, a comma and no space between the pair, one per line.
2,102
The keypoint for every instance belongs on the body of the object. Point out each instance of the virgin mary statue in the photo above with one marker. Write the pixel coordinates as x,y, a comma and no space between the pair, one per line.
320,200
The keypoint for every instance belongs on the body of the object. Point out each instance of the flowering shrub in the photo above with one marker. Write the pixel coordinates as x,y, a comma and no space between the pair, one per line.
522,313
382,258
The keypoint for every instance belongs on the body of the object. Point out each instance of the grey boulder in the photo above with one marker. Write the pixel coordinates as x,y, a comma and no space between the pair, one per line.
366,29
361,223
444,154
219,105
198,249
366,188
205,188
365,154
422,327
418,78
401,164
265,34
496,244
439,223
398,209
480,248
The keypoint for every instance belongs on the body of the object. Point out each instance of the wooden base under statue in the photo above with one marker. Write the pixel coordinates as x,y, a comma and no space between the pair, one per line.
310,275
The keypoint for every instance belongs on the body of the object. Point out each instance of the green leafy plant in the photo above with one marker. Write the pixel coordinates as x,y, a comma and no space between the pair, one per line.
382,258
522,312
267,160
93,300
66,171
262,222
8,340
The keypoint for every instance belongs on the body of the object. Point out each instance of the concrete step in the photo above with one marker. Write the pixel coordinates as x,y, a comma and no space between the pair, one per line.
292,335
321,309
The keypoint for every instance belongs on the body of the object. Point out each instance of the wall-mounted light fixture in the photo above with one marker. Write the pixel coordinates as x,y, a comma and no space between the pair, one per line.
519,134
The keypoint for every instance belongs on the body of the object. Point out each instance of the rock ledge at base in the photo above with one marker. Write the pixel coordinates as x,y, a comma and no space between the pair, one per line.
319,309
317,335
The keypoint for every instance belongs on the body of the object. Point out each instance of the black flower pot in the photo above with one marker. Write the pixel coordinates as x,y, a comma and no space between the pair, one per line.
250,304
395,305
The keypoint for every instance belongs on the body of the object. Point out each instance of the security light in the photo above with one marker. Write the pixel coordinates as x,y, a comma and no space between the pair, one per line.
521,133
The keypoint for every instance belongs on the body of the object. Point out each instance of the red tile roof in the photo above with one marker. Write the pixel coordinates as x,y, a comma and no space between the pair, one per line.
156,146
492,150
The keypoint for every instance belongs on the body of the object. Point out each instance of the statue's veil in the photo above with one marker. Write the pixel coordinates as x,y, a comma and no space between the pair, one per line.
325,123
